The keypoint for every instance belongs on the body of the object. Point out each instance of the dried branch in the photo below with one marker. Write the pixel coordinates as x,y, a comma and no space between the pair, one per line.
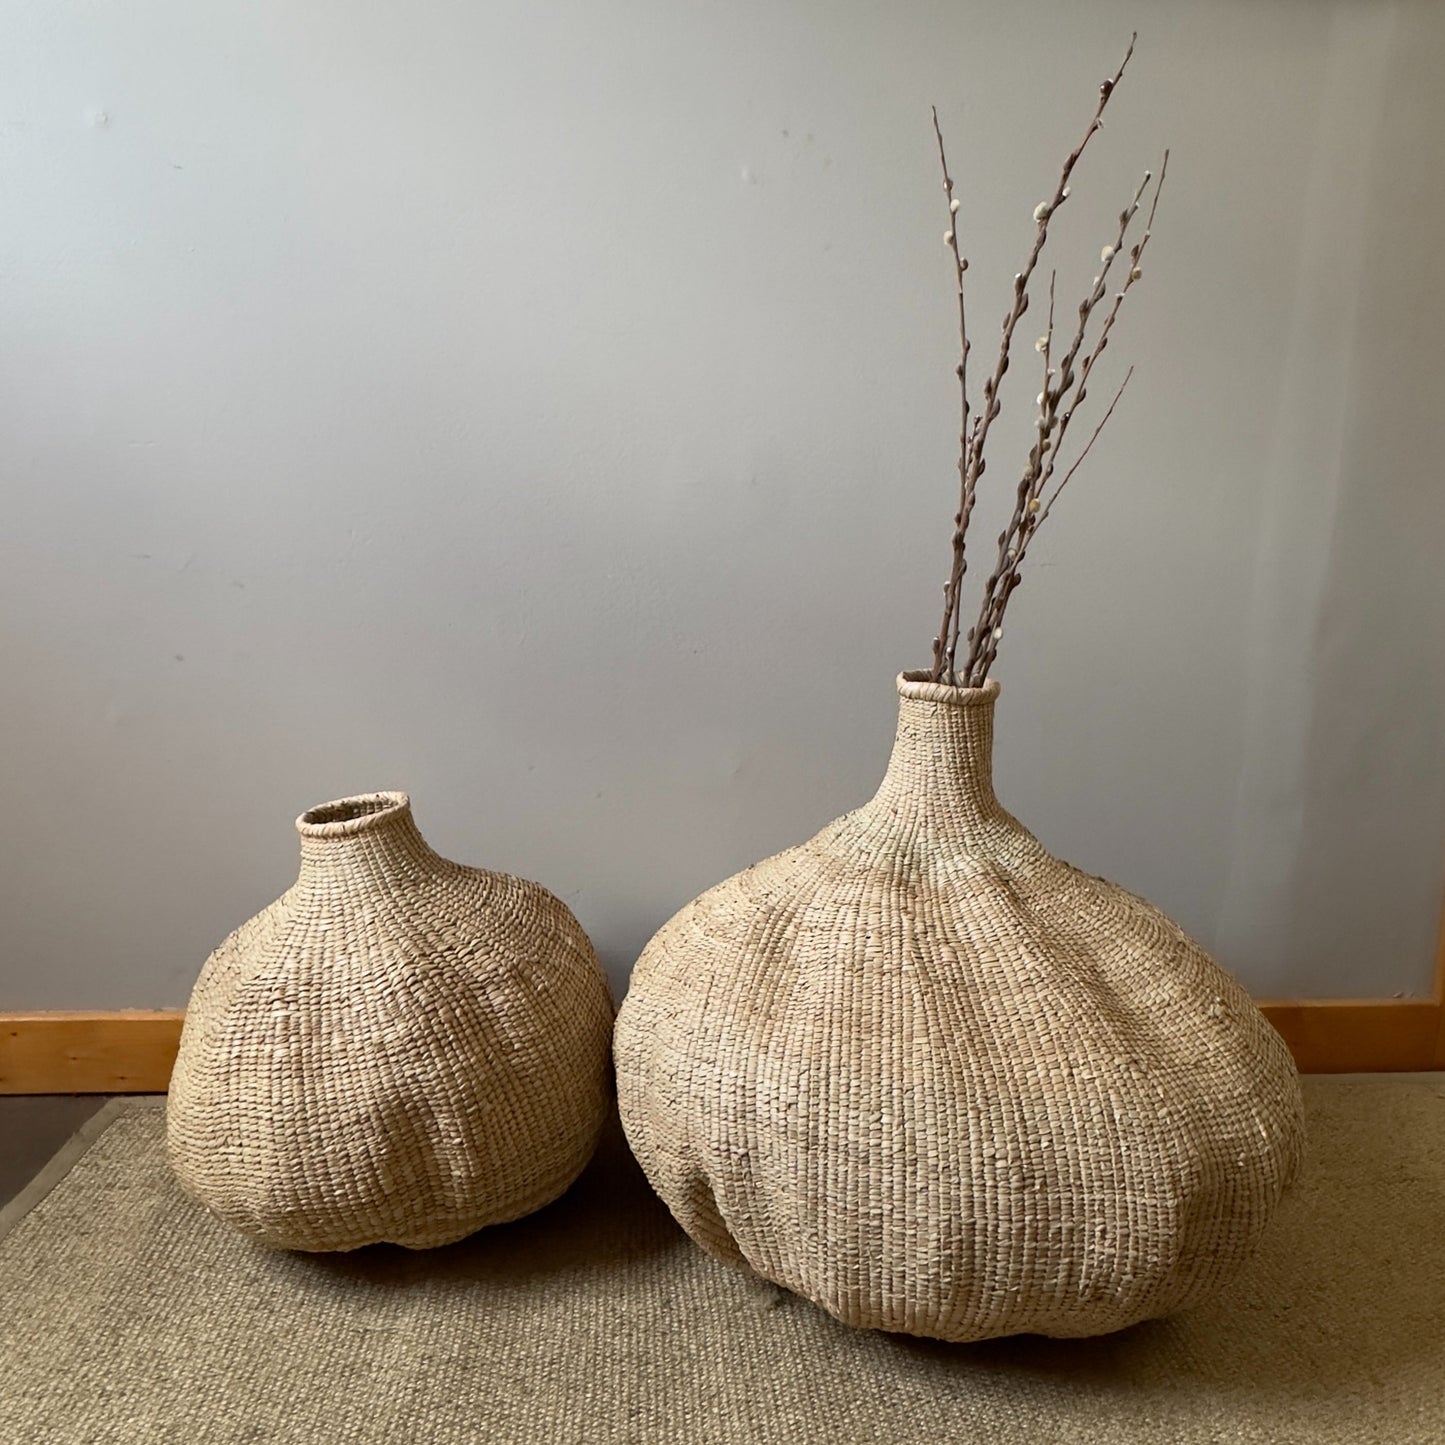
973,462
1053,428
992,629
1136,254
960,265
1047,341
1088,447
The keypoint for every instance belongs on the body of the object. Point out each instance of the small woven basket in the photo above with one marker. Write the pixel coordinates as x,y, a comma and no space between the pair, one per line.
939,1082
398,1049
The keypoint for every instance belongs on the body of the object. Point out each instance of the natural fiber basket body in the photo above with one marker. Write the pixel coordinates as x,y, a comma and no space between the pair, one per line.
399,1049
939,1082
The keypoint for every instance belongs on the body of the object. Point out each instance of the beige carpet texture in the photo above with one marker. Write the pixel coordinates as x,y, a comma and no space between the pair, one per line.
127,1314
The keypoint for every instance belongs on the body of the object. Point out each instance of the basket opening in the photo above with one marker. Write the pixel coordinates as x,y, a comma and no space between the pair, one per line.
346,816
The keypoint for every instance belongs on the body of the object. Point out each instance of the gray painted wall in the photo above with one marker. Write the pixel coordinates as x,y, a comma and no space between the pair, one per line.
548,408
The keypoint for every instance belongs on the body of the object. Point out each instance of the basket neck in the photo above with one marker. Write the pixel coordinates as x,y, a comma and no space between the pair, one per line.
941,770
370,839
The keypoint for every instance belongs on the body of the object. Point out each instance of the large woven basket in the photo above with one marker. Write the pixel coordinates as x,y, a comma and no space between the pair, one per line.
398,1049
939,1082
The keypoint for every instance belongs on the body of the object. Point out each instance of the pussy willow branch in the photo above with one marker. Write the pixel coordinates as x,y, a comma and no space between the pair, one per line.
1044,427
960,265
1088,447
1043,456
1136,255
987,646
973,462
1047,340
1030,512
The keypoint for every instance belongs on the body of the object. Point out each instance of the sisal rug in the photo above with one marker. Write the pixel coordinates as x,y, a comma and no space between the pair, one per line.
129,1315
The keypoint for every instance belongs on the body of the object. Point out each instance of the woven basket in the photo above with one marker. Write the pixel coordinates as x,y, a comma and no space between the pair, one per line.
938,1082
398,1049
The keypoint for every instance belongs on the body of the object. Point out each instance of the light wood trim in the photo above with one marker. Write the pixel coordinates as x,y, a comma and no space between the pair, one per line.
1438,1062
1359,1035
130,1051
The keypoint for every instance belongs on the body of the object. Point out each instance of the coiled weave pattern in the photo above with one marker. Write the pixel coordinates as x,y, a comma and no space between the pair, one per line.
398,1049
939,1082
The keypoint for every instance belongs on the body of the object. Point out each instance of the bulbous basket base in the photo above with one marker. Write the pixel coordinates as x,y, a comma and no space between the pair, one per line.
398,1050
941,1083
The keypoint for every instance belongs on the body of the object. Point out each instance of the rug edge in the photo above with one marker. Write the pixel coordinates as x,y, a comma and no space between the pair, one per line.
69,1155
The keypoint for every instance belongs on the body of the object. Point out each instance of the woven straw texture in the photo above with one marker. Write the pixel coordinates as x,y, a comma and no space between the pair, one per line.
128,1316
399,1049
939,1082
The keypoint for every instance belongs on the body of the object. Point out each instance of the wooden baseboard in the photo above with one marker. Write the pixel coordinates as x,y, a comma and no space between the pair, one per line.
132,1052
125,1052
1371,1035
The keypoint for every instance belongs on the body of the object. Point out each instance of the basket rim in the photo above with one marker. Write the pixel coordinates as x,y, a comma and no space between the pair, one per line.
917,687
359,813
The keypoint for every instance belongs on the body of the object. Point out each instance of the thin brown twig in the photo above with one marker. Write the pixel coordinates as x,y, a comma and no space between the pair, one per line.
1088,447
1049,339
960,265
1086,308
988,643
1053,428
989,628
1046,401
1135,274
973,465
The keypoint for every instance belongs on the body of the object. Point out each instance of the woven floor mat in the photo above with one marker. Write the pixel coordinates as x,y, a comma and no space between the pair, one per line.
128,1315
